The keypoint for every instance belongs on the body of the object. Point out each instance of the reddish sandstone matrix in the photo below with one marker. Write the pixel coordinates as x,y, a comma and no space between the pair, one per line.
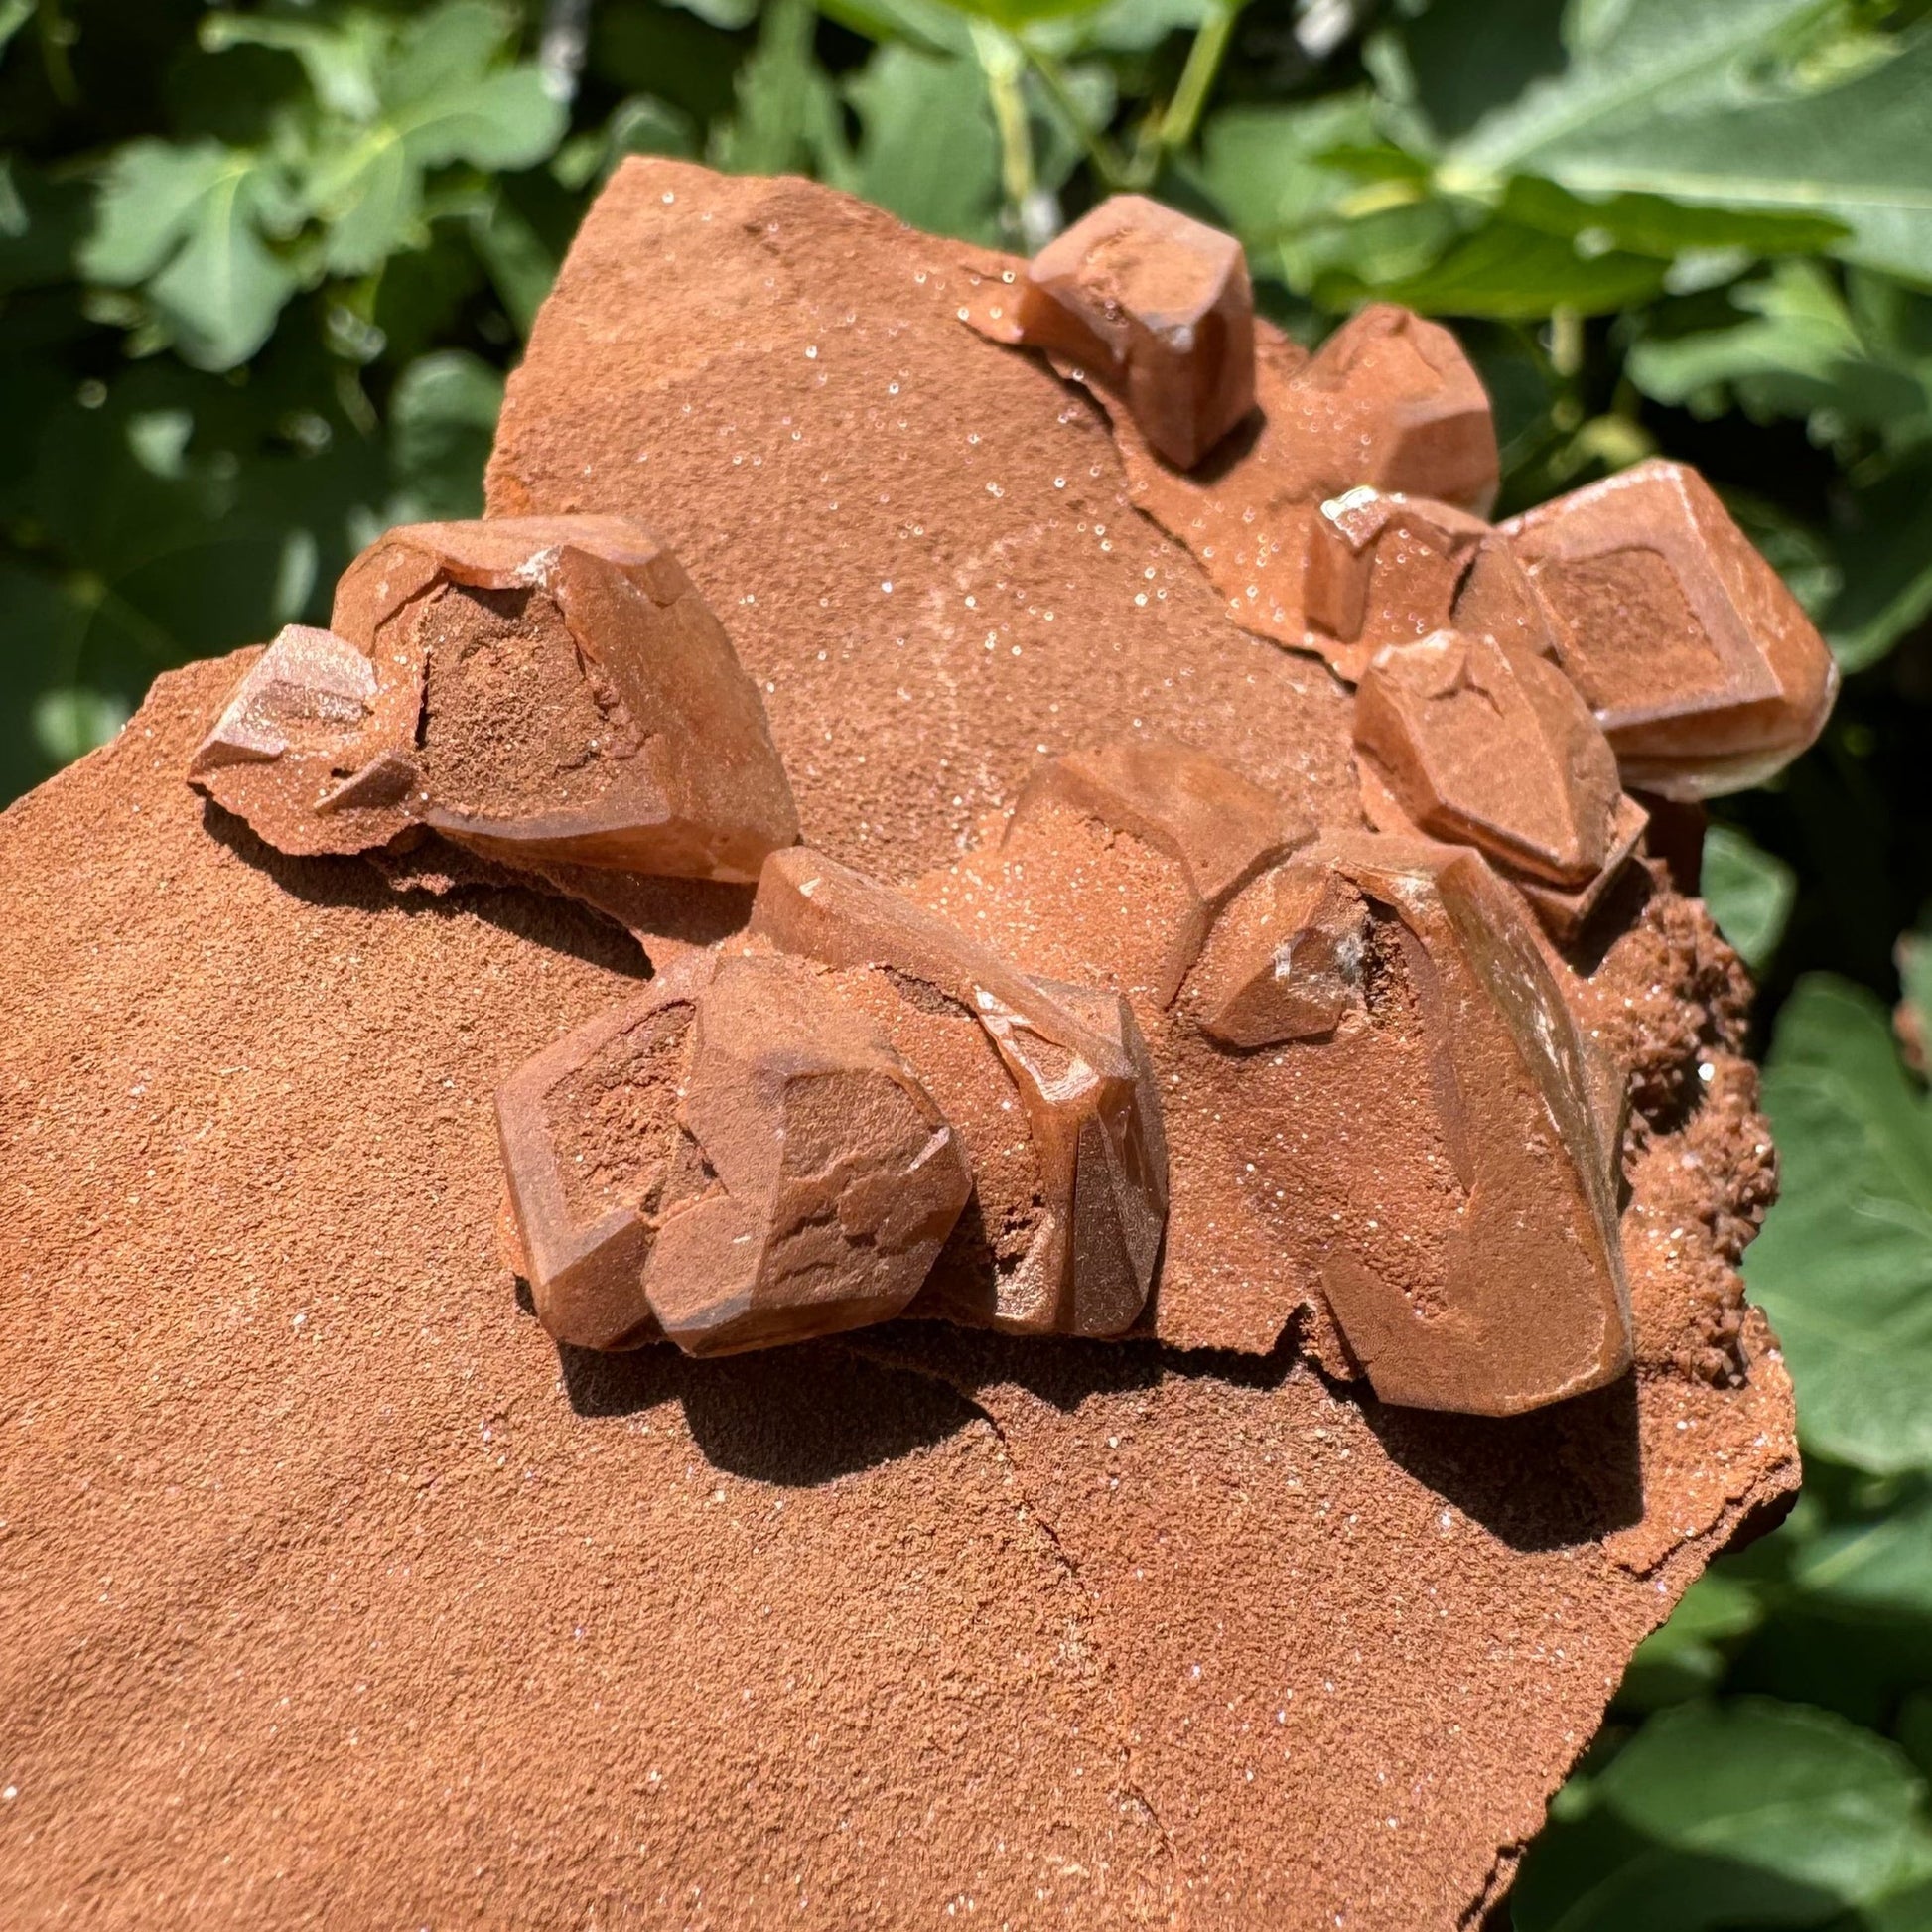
339,1591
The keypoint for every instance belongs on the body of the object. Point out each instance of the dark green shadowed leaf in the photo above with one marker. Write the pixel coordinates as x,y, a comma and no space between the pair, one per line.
1843,1267
1748,1813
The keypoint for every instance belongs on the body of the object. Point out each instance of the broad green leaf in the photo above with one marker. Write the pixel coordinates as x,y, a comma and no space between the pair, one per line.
190,224
1292,182
1750,892
1884,549
150,194
1843,1267
442,416
1795,351
1017,14
929,149
928,24
221,294
787,115
1517,273
341,52
521,267
440,100
1613,66
1881,1569
1748,1813
1660,98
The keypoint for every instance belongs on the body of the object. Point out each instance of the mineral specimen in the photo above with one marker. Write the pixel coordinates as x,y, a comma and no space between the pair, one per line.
1157,306
1702,670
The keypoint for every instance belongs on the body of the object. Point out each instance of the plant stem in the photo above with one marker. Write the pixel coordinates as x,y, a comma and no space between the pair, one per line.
1102,155
1198,77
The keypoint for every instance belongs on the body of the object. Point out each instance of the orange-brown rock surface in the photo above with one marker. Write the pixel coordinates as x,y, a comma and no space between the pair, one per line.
338,1591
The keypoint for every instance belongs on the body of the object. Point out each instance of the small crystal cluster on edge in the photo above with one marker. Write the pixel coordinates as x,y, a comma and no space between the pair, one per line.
866,1101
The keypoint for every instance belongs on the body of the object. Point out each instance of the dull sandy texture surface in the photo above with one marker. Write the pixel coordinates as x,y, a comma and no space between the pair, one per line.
335,1591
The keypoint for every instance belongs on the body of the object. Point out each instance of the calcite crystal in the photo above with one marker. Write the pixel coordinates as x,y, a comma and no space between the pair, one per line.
1700,666
1288,961
1220,828
544,691
1326,1134
1154,305
1491,748
590,1139
817,1178
1514,1294
1080,1073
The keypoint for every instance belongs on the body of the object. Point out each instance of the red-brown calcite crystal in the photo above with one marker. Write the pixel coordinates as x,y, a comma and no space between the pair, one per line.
1516,1295
1220,828
1490,746
1156,307
1388,403
1702,670
1389,569
815,1177
590,1139
1286,960
581,703
273,754
1078,1069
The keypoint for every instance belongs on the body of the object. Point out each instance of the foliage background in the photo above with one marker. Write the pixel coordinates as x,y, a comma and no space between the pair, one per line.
262,268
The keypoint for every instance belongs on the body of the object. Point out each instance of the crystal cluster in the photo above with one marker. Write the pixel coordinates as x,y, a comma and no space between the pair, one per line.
955,1096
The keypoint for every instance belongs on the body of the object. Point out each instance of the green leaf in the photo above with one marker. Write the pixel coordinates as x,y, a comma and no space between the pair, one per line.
1513,272
442,416
1795,351
1879,1569
440,101
189,223
1686,1658
787,115
72,719
1750,892
1747,1812
150,194
42,223
1661,98
1885,550
929,149
1843,1267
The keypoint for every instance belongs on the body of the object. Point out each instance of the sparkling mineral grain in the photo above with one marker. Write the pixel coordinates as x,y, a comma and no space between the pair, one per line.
1155,307
1490,746
1220,828
1513,1294
1079,1072
816,1178
1701,667
590,1139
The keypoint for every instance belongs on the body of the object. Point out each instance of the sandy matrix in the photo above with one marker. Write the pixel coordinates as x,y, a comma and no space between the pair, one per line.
333,1593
